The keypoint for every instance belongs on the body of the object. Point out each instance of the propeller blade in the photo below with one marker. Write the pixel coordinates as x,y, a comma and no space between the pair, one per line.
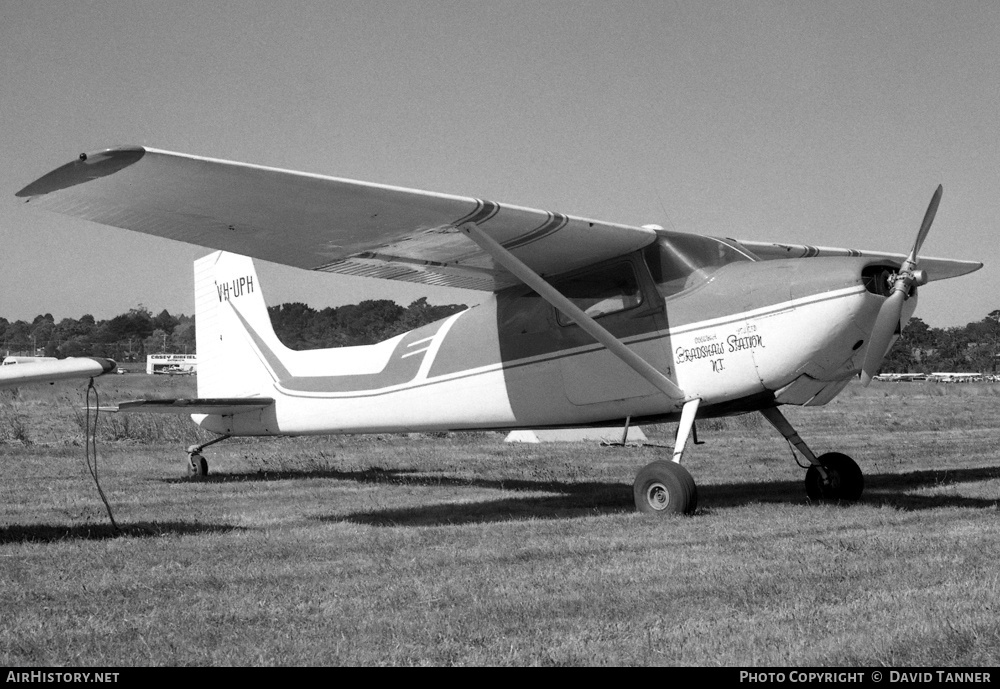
887,320
925,226
885,327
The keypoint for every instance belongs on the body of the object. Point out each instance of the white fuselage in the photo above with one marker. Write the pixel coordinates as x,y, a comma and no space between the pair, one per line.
468,372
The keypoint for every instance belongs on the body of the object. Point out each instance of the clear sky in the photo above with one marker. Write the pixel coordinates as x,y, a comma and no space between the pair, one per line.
826,123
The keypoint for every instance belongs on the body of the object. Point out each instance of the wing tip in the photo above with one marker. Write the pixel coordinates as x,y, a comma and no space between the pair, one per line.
87,167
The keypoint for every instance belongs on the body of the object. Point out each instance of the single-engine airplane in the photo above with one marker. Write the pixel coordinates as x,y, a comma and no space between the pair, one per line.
588,323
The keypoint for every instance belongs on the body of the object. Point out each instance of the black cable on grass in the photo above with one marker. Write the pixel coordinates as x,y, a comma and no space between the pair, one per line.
91,443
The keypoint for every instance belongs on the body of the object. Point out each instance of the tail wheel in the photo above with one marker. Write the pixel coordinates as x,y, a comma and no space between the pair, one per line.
197,466
844,479
663,487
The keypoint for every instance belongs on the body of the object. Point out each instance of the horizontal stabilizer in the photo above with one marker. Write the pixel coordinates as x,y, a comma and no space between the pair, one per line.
222,406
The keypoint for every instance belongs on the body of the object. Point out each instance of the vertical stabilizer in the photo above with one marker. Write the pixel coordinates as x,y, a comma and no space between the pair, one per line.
233,329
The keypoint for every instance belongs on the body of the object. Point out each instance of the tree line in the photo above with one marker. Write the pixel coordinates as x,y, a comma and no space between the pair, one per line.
972,348
301,327
130,336
127,337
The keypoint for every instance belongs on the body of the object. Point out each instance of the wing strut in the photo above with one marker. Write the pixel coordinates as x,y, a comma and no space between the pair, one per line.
572,311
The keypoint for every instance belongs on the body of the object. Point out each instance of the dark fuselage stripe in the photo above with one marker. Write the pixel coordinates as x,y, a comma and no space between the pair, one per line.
398,369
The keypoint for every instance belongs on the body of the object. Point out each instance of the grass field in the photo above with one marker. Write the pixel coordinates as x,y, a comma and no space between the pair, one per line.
460,549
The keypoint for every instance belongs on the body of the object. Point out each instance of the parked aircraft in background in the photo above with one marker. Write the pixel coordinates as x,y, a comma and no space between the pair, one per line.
176,371
589,323
946,377
901,377
937,377
25,370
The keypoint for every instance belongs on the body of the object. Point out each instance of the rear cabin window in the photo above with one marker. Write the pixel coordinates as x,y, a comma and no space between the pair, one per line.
680,261
605,290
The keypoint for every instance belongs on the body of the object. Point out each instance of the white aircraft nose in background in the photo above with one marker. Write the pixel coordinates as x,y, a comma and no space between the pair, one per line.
45,370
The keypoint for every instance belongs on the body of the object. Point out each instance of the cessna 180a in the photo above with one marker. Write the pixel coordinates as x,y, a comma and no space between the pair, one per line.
587,322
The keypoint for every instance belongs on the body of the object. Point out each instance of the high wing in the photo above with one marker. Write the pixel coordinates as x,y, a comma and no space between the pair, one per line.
321,223
49,371
346,226
937,268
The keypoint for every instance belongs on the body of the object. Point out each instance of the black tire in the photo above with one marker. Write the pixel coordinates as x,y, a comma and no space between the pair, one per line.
846,482
197,467
663,487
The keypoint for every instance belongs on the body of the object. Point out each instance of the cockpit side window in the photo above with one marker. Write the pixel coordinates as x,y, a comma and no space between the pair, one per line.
601,291
680,261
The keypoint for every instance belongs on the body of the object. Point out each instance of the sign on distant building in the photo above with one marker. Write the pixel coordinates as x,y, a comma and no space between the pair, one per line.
172,364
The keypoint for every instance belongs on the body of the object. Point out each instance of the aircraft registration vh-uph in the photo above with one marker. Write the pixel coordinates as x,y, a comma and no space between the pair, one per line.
588,323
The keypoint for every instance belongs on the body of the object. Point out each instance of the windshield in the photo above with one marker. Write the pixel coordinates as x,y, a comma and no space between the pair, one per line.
679,261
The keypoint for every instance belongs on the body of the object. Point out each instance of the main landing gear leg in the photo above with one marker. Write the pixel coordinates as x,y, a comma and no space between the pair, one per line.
832,476
663,487
197,466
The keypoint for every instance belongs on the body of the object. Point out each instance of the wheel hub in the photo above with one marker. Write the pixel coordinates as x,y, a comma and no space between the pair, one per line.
832,479
658,496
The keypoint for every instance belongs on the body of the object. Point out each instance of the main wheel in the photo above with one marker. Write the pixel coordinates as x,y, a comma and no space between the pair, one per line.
197,466
844,479
663,487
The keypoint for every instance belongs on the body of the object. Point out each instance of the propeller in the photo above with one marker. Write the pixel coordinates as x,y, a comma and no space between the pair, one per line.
906,279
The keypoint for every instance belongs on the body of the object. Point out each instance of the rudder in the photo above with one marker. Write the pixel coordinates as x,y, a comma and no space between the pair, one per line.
233,329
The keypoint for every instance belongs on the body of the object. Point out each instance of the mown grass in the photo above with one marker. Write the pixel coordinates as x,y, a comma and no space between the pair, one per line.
459,549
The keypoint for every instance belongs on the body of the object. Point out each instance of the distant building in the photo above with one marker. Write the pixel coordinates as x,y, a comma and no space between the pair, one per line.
172,364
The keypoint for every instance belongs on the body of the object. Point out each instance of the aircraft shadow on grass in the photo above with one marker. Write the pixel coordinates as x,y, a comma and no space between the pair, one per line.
50,533
892,490
566,499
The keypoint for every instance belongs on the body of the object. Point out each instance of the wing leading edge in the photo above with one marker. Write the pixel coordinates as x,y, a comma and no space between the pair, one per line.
318,222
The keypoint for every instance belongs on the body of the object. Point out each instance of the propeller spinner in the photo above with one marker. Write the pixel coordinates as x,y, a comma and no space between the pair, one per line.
906,280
